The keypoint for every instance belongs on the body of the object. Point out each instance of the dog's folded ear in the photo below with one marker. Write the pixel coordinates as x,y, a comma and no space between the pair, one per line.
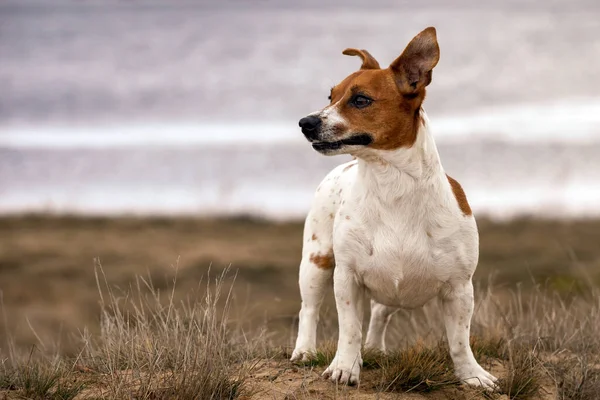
368,61
413,69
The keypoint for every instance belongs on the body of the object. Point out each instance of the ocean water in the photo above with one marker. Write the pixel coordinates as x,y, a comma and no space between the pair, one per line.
192,107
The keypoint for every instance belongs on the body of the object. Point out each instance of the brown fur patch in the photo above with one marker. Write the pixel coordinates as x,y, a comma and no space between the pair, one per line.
392,120
314,237
461,197
322,261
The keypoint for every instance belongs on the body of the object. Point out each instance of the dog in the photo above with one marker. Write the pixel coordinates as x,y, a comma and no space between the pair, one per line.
390,224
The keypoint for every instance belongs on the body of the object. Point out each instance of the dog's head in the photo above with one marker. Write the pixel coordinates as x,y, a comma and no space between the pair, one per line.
376,108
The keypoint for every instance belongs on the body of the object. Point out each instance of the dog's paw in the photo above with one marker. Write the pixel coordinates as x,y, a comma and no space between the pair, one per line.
302,354
344,374
477,376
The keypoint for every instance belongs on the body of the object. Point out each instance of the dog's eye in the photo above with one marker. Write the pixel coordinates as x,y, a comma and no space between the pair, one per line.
360,101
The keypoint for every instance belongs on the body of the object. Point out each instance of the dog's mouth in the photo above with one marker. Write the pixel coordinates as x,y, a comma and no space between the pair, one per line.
356,140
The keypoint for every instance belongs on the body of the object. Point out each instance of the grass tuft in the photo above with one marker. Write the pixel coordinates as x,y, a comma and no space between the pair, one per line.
66,390
150,347
419,368
164,349
36,379
489,347
372,359
577,378
7,377
523,378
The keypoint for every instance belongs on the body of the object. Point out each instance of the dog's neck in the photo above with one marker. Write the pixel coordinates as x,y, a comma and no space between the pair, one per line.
400,171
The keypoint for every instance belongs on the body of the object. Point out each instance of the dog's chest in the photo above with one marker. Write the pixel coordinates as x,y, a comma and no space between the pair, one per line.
395,252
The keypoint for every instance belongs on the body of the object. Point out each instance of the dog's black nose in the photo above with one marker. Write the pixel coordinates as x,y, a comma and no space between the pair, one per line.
310,126
310,123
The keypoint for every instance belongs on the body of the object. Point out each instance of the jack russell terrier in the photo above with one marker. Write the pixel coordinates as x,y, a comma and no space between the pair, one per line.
390,224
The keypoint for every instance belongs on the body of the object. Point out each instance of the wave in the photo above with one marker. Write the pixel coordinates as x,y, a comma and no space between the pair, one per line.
574,202
575,120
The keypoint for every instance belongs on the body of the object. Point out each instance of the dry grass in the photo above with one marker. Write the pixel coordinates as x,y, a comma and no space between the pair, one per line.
576,377
173,333
39,378
539,345
148,348
151,347
523,378
419,368
189,350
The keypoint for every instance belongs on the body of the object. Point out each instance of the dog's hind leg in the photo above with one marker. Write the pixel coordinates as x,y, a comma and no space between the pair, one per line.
458,304
316,275
380,317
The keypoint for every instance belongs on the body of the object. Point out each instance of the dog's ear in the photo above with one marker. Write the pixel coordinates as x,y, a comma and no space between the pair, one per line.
368,61
413,69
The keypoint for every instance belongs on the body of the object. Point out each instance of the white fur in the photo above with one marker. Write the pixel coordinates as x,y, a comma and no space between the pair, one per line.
398,237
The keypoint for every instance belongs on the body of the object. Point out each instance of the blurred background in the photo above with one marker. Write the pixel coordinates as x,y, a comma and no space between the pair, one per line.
127,127
145,107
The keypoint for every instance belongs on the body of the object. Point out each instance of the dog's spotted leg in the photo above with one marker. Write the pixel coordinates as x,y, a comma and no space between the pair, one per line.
458,305
316,272
349,295
314,282
380,317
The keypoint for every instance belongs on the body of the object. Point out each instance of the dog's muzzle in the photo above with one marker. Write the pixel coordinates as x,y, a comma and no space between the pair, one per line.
312,127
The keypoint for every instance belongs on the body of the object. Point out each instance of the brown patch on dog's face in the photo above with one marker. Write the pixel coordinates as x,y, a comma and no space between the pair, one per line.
322,261
382,105
460,196
391,119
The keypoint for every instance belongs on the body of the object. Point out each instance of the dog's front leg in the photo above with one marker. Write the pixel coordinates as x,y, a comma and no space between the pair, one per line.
349,295
314,283
458,305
